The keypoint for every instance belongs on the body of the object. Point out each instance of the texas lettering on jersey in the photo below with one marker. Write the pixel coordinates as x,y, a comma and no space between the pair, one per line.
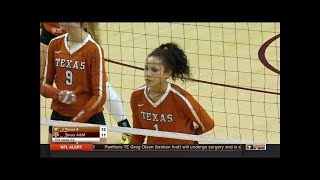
156,117
66,63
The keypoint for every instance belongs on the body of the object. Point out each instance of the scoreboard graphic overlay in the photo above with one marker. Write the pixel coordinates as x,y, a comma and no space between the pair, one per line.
77,138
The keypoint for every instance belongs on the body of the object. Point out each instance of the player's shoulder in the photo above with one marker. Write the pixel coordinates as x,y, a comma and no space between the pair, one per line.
138,91
179,92
137,94
90,39
177,89
92,44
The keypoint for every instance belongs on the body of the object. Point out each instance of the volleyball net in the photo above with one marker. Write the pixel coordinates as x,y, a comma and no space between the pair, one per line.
147,132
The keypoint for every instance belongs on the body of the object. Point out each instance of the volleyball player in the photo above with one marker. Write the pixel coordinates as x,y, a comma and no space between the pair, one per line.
70,59
160,105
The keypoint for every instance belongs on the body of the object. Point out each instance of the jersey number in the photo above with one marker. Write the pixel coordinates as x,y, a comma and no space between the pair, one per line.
69,77
156,126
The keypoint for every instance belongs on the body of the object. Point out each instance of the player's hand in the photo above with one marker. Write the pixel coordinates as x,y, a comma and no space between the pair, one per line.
67,97
195,125
196,128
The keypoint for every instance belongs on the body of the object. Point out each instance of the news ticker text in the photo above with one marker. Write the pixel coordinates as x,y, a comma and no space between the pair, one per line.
146,147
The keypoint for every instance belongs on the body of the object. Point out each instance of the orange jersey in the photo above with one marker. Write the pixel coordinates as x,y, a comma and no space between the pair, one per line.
53,28
175,111
82,70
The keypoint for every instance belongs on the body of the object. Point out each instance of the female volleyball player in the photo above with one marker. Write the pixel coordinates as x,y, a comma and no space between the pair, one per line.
48,32
160,105
73,54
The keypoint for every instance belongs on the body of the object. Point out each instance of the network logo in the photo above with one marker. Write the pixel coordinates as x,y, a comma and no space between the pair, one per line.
256,147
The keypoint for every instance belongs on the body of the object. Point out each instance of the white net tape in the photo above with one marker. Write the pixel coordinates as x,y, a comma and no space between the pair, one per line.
146,132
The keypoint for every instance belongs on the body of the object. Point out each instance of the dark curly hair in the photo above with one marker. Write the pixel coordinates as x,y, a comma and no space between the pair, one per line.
174,59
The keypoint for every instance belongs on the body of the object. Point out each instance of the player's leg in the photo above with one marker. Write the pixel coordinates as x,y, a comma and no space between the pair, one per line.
98,119
56,116
114,106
